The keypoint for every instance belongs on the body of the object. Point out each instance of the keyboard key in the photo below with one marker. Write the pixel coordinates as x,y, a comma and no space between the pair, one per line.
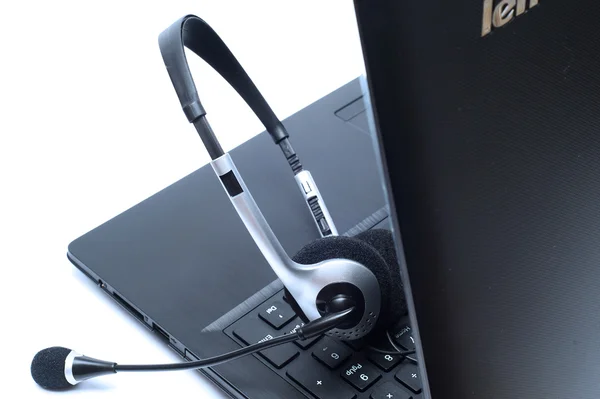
356,344
319,381
280,355
410,376
304,343
361,374
386,362
390,390
403,336
331,353
277,313
252,331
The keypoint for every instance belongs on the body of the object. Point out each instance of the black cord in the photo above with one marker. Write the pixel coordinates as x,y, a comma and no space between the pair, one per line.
236,354
397,351
311,329
391,341
211,361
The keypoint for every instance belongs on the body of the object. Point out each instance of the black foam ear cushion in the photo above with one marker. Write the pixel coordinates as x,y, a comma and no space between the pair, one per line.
358,251
383,242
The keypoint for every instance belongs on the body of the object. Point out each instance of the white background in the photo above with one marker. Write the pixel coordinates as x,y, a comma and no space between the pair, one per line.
90,125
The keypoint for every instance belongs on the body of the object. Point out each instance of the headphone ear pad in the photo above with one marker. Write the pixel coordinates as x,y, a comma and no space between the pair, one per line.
340,247
383,242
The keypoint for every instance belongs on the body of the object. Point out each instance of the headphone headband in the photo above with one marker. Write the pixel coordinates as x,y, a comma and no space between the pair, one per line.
195,34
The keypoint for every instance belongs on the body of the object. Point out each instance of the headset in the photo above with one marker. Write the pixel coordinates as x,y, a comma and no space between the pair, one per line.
327,275
345,287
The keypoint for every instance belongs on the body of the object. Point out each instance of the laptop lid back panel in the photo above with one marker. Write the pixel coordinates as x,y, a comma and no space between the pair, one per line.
489,118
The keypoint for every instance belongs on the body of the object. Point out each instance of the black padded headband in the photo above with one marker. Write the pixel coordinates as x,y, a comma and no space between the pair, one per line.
195,34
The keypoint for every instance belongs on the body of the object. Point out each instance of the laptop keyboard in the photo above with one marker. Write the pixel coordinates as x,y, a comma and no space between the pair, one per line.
326,368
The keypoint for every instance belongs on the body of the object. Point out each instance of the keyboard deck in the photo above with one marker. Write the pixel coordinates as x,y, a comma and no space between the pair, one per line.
326,368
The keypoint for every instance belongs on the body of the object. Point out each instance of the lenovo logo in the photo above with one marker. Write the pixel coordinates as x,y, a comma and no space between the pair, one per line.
503,12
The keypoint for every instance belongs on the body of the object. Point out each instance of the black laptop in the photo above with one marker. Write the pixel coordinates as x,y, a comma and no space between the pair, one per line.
488,115
488,118
183,263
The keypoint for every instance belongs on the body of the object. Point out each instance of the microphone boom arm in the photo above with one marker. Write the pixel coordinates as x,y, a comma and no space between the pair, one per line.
309,330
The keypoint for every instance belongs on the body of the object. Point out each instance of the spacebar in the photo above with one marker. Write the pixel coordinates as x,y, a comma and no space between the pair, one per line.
320,382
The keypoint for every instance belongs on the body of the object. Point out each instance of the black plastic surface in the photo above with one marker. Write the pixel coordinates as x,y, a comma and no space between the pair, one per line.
492,150
185,263
328,360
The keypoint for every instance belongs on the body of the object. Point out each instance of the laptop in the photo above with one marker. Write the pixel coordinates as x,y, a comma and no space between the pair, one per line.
183,264
487,116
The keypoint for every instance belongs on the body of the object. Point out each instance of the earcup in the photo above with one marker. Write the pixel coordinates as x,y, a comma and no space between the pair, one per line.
383,242
359,251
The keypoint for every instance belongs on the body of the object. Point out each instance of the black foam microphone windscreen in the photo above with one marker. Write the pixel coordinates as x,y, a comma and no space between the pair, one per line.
48,368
